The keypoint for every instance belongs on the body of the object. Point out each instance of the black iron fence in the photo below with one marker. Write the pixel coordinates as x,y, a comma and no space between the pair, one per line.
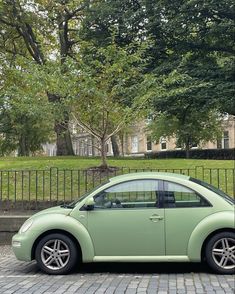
35,189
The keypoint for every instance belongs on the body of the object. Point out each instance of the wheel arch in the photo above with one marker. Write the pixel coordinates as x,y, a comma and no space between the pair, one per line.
208,227
56,231
203,248
66,225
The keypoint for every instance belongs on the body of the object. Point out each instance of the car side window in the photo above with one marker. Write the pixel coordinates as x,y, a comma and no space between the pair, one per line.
132,194
178,196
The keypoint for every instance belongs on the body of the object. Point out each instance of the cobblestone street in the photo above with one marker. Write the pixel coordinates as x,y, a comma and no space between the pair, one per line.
21,277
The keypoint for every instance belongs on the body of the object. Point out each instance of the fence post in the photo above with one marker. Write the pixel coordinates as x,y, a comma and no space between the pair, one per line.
199,169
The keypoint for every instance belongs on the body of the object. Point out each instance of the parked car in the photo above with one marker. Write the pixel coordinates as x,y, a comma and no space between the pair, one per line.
140,217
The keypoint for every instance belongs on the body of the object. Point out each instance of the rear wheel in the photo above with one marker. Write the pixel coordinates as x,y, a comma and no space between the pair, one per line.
56,254
220,253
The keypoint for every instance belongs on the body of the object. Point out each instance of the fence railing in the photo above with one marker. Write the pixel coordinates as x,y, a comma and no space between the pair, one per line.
32,189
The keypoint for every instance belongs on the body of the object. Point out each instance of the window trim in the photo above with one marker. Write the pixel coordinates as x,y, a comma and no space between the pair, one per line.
213,189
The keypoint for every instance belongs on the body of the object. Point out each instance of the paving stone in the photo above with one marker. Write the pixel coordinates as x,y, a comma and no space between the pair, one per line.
18,277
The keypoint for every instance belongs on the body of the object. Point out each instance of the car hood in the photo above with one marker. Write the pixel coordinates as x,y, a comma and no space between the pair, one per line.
54,210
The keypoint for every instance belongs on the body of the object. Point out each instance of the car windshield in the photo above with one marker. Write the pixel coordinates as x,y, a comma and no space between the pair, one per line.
75,202
214,189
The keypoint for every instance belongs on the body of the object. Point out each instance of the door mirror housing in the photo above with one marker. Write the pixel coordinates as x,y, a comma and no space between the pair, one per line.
89,204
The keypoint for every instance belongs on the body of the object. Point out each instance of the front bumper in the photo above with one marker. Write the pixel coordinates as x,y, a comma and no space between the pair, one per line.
22,247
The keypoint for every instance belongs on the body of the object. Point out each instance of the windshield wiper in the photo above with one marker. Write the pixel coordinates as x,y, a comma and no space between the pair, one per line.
70,206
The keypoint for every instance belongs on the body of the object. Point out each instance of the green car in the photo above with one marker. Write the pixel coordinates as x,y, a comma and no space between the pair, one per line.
140,217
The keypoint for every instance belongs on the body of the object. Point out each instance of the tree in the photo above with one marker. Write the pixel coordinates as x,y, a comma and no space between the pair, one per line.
194,37
106,77
42,31
25,114
182,113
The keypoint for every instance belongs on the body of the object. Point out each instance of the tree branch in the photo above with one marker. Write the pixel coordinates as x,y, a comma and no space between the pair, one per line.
116,130
26,31
71,14
86,127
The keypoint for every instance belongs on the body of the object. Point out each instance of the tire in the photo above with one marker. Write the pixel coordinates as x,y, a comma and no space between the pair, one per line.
56,254
220,253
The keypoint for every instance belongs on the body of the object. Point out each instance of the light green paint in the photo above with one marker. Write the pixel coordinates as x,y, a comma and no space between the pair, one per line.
130,234
179,229
126,232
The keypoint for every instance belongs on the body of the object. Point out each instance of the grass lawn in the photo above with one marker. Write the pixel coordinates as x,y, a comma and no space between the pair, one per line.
16,163
66,178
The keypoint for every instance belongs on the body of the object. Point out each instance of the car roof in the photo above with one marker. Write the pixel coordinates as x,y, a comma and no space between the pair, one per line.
139,175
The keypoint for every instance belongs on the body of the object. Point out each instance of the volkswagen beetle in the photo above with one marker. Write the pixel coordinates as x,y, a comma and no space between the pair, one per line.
140,217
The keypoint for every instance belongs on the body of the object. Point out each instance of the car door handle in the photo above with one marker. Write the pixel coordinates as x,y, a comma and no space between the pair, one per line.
155,217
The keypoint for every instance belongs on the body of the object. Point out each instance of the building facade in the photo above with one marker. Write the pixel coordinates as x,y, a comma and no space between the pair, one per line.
137,141
140,142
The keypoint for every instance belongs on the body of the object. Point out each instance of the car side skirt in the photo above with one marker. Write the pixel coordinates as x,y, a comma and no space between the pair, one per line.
164,258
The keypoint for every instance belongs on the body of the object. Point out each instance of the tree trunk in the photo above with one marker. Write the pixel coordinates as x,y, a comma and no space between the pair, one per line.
104,164
92,145
23,148
122,138
115,147
187,149
63,138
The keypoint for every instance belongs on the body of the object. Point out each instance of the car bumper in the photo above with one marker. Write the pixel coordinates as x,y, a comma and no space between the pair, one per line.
22,247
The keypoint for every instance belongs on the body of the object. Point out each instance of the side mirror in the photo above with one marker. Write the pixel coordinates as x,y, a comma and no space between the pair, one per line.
89,204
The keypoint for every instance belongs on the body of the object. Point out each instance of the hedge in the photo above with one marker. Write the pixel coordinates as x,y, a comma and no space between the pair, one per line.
194,153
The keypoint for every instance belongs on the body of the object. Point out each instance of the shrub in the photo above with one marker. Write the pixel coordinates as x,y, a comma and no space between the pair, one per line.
194,154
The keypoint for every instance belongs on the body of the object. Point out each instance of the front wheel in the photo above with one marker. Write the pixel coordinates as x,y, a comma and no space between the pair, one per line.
220,253
56,254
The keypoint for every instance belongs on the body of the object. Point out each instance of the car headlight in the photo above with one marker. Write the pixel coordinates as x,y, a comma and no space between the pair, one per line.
26,225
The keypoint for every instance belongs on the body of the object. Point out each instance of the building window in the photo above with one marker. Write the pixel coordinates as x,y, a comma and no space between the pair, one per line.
134,144
219,144
163,143
226,140
224,143
149,143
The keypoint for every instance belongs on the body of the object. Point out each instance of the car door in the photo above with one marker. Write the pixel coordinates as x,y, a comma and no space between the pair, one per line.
127,220
184,209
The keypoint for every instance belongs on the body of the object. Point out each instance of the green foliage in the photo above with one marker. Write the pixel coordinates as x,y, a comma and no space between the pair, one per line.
193,37
25,116
190,54
187,128
110,81
104,88
181,110
42,31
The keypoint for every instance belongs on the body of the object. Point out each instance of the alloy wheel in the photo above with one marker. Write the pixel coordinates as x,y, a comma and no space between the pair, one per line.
223,253
55,254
